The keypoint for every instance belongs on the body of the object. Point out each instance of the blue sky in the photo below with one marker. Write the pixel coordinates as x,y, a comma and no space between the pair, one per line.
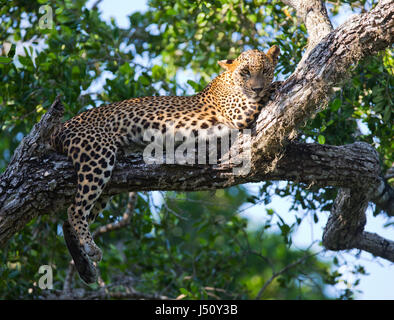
379,282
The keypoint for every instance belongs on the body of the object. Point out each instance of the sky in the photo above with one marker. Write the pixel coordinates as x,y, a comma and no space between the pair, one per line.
379,282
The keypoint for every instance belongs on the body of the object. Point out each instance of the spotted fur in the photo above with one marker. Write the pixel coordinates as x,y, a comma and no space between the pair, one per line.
93,138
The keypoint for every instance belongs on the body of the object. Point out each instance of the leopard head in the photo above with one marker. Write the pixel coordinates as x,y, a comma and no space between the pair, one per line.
253,71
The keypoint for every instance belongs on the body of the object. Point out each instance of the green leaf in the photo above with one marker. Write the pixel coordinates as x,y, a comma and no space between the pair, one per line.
59,10
252,199
194,85
5,60
321,139
125,69
11,53
270,211
144,80
336,104
285,229
25,60
184,291
387,113
157,72
75,71
171,12
62,18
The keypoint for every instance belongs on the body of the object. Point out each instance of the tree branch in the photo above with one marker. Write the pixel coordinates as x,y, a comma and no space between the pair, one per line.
309,88
314,14
106,292
282,271
47,185
376,245
345,227
121,223
351,41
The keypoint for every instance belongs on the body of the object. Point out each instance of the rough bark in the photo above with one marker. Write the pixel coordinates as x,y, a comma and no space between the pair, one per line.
309,88
39,181
345,226
314,15
353,40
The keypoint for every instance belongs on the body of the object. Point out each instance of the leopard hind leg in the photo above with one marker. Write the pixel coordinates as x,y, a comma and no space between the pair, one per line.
86,269
94,170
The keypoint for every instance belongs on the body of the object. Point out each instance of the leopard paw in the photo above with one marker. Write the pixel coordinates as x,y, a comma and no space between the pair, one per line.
93,251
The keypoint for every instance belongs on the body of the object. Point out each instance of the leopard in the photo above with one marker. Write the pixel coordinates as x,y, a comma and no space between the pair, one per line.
93,139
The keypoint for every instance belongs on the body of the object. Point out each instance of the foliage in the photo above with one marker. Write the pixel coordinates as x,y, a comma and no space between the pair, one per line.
194,244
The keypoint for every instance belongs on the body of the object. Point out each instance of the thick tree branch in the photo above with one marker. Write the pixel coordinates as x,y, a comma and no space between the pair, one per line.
309,88
345,226
347,219
344,229
314,15
376,245
51,180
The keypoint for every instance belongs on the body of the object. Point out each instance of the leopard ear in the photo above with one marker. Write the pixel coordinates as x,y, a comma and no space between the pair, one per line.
273,54
228,64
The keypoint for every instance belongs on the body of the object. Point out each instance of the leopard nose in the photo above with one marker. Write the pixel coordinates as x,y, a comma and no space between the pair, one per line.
257,90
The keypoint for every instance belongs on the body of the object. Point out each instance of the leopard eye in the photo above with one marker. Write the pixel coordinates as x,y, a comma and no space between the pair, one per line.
246,73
